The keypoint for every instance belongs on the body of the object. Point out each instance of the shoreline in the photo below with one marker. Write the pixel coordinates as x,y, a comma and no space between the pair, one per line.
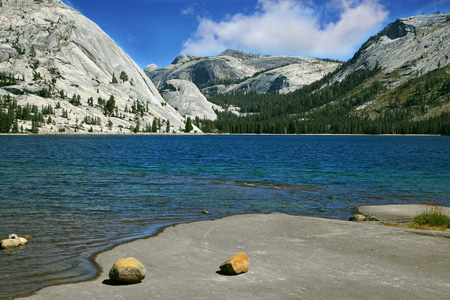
182,260
209,134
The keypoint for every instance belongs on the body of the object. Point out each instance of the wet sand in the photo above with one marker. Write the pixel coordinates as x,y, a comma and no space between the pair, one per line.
291,257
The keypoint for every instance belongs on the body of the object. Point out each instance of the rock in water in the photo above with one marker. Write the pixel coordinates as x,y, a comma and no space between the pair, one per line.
236,265
10,243
129,270
23,241
13,241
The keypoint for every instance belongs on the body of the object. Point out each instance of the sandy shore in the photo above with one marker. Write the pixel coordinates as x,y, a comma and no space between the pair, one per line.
291,257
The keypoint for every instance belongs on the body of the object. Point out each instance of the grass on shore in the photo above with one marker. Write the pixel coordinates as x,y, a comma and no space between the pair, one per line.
431,218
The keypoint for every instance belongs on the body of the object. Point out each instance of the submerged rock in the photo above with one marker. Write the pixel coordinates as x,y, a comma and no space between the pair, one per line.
236,265
129,270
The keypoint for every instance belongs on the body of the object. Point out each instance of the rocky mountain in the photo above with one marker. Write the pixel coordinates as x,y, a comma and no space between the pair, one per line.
59,72
397,83
405,48
186,98
236,71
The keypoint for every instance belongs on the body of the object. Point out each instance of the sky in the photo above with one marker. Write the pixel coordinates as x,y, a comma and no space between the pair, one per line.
156,31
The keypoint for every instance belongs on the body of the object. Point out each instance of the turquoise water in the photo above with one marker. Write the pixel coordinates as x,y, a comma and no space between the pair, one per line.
79,195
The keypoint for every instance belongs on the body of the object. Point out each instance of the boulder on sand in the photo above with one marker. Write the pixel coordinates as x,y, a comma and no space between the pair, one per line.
236,265
357,218
128,270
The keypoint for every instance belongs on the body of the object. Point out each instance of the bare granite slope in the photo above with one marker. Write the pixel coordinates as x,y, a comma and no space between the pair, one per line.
236,72
257,73
58,55
408,47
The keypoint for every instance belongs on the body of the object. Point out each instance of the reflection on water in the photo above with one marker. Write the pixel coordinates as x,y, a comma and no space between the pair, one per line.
78,195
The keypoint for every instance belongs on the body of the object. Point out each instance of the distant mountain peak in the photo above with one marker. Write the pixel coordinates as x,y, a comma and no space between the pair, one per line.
410,46
239,54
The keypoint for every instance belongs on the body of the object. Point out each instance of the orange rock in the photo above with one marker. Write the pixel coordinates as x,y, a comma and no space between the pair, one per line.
236,265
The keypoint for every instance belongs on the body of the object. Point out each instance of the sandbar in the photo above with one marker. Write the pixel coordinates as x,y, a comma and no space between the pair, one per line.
291,257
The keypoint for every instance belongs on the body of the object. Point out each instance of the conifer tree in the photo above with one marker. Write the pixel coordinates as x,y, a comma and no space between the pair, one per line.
114,79
189,126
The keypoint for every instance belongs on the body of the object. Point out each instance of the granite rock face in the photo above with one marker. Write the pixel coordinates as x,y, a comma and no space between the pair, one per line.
128,270
58,55
236,71
232,72
186,98
410,46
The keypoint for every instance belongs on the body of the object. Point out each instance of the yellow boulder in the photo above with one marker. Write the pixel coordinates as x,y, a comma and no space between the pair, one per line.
129,270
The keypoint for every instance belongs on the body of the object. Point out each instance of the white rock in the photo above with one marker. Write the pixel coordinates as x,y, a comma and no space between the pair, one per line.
188,100
278,73
82,59
411,45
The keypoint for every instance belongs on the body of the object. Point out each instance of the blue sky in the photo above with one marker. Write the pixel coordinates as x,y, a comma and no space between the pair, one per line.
156,31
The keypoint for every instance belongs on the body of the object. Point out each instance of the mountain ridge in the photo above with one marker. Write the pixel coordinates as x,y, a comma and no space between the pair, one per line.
66,62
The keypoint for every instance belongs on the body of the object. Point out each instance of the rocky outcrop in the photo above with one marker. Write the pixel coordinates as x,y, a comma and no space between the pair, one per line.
232,72
236,71
63,60
409,47
128,270
236,265
201,70
281,80
185,97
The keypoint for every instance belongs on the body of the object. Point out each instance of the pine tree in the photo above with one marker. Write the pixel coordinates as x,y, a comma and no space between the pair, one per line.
123,76
114,79
168,126
189,126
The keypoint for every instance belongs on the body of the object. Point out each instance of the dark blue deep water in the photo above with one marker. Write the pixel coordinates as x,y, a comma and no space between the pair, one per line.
79,195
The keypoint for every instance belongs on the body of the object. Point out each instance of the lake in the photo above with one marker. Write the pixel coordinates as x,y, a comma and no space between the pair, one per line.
80,195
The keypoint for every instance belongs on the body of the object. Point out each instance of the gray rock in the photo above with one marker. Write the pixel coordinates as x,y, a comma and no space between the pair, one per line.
411,46
54,47
186,98
370,218
255,73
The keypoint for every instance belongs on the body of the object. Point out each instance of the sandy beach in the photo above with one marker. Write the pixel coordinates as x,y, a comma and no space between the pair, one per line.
291,257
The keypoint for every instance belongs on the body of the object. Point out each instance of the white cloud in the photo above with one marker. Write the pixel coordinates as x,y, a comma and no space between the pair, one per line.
291,27
188,10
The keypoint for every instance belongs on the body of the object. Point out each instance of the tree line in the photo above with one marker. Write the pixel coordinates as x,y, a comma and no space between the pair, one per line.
332,108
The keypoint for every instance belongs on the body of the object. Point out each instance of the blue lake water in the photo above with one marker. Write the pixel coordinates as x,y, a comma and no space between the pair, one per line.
79,195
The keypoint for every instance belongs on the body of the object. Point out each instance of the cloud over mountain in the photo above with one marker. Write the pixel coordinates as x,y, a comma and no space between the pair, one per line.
291,27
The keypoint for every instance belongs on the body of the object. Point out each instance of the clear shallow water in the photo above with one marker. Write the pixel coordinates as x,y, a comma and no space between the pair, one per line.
78,195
